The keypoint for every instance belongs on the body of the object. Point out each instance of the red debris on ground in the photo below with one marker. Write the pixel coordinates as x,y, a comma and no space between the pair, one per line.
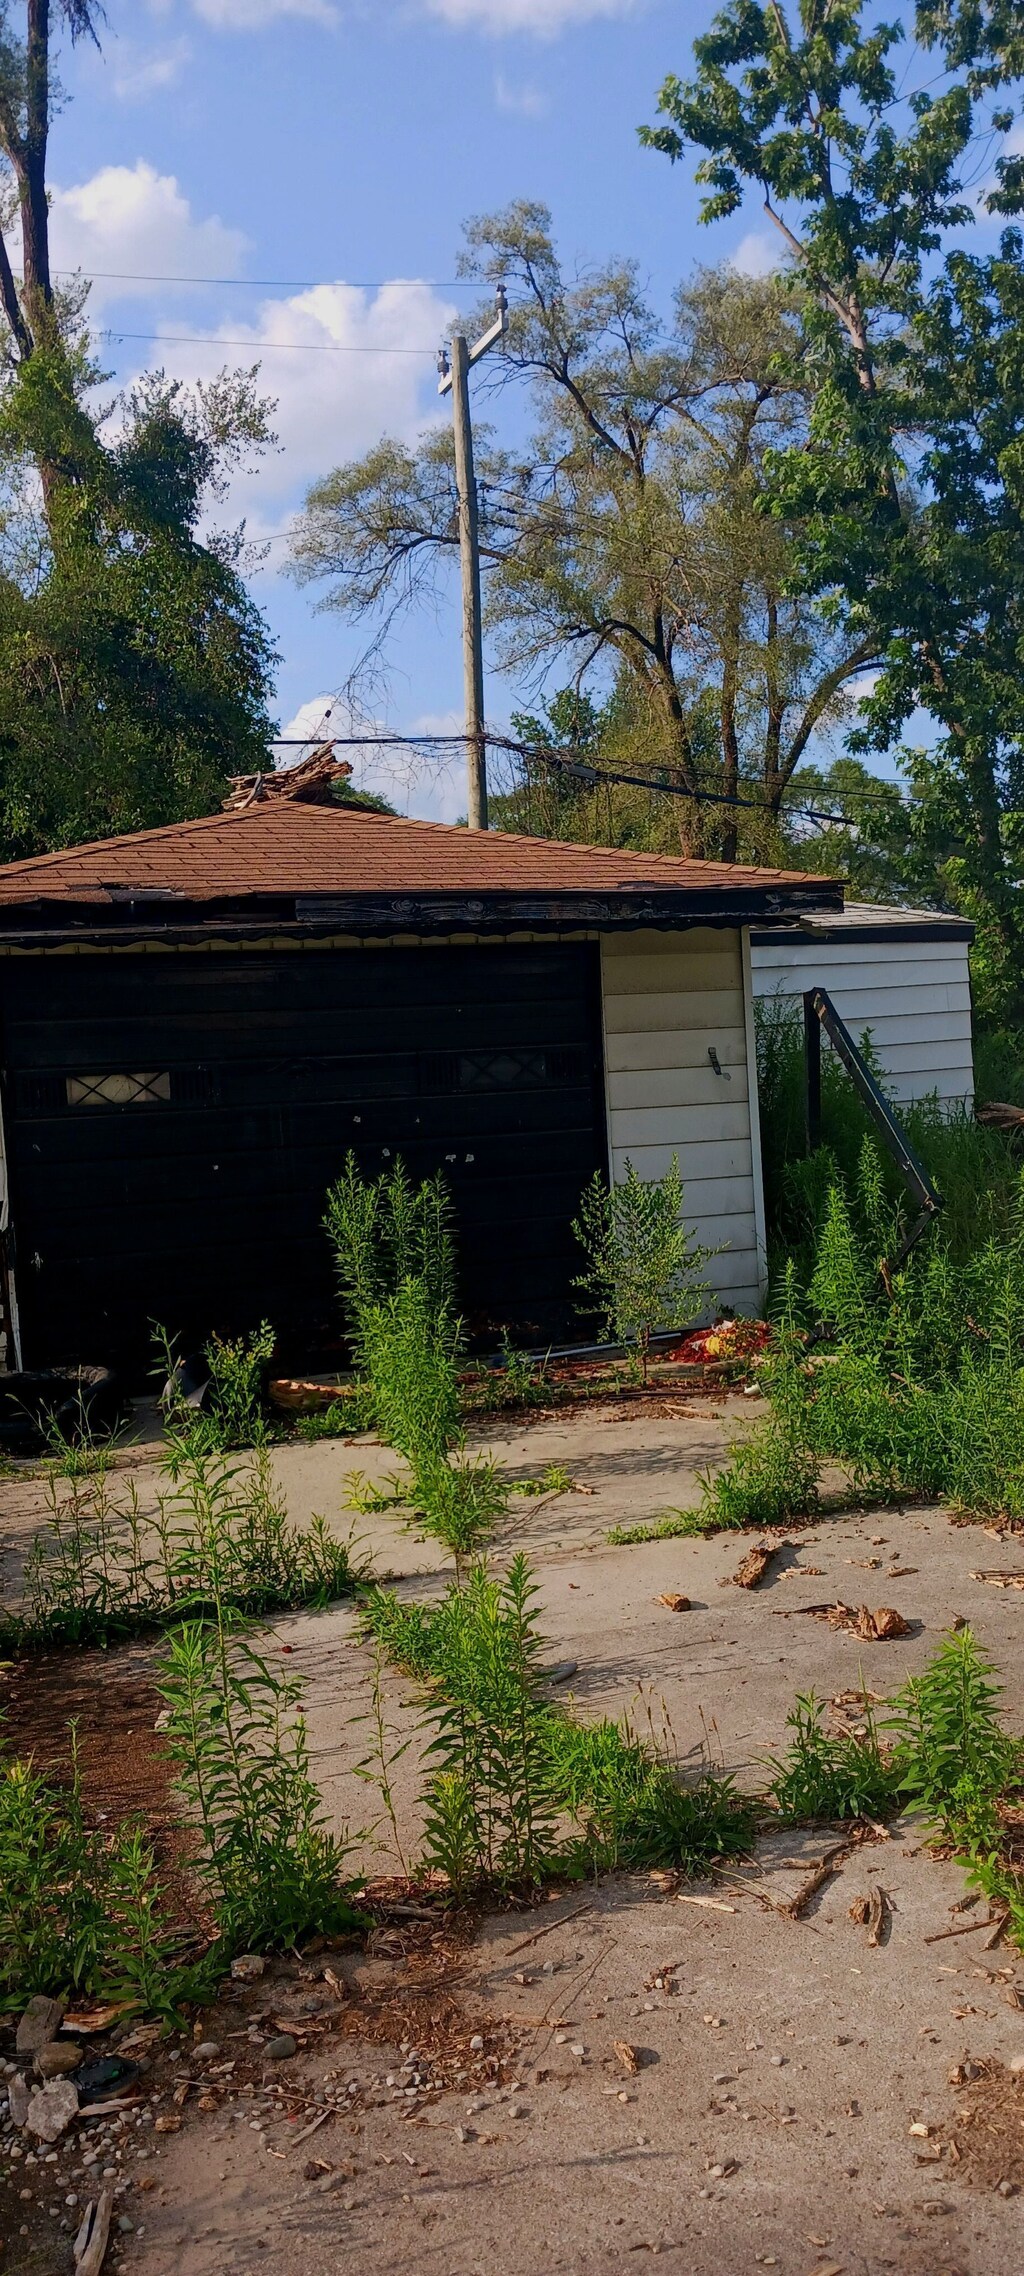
730,1339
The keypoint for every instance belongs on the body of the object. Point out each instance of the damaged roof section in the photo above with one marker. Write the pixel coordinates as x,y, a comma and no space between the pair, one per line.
286,861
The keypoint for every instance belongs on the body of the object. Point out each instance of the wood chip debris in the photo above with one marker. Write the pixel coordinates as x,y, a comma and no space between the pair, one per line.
675,1603
966,1928
877,1627
90,2243
1000,1580
816,1880
628,2056
755,1565
871,1912
82,2022
548,1929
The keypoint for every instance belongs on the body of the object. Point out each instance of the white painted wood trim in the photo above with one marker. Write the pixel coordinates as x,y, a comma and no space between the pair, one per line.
754,1103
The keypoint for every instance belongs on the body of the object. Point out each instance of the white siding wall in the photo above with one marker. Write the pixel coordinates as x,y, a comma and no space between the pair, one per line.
668,997
914,995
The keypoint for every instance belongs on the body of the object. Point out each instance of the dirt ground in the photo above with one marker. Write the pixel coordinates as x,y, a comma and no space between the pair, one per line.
781,2062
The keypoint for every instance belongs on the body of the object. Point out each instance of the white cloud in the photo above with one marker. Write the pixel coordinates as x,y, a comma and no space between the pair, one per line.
523,102
252,15
757,254
132,221
140,72
415,781
331,405
545,18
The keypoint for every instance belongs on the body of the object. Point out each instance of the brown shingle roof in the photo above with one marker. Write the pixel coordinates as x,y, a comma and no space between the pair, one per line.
283,847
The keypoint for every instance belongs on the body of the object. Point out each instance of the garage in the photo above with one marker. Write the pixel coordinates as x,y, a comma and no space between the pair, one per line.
199,1022
174,1124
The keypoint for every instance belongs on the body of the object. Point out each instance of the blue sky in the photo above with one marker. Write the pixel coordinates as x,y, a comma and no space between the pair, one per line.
338,145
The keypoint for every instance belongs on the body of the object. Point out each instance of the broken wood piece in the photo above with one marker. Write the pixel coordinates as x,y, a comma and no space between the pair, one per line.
1000,1580
755,1564
91,2242
996,1931
876,1915
870,1912
548,1929
873,1627
675,1603
628,2056
305,2132
967,1928
815,1881
714,1904
999,1115
104,2104
878,1627
82,2022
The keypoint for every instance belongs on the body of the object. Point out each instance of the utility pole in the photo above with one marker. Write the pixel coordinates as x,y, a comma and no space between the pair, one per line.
455,375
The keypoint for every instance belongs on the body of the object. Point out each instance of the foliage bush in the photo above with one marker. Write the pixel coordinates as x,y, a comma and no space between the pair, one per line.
643,1266
911,1378
346,1417
231,1414
385,1231
80,1907
832,1774
237,1735
629,1806
518,1789
975,1168
396,1264
104,1568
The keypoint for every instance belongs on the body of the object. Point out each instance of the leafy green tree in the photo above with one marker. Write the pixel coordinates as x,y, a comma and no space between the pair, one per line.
627,541
906,493
134,666
844,821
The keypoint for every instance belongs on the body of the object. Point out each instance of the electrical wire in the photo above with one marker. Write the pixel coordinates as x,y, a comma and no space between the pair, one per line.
262,347
578,767
584,771
280,284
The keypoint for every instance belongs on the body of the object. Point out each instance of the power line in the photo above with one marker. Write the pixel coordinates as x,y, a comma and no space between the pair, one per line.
280,284
263,347
585,771
579,767
356,742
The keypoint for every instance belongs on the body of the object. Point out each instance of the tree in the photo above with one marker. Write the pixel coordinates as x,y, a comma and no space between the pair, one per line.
906,496
628,538
134,666
846,822
27,94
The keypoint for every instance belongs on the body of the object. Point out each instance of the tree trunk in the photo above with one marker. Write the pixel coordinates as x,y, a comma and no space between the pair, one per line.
729,845
31,171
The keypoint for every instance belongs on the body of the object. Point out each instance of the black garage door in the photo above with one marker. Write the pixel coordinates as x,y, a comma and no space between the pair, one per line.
174,1121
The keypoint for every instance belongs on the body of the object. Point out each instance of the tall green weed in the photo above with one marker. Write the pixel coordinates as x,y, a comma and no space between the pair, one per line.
385,1231
518,1788
80,1906
238,1738
910,1378
104,1568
